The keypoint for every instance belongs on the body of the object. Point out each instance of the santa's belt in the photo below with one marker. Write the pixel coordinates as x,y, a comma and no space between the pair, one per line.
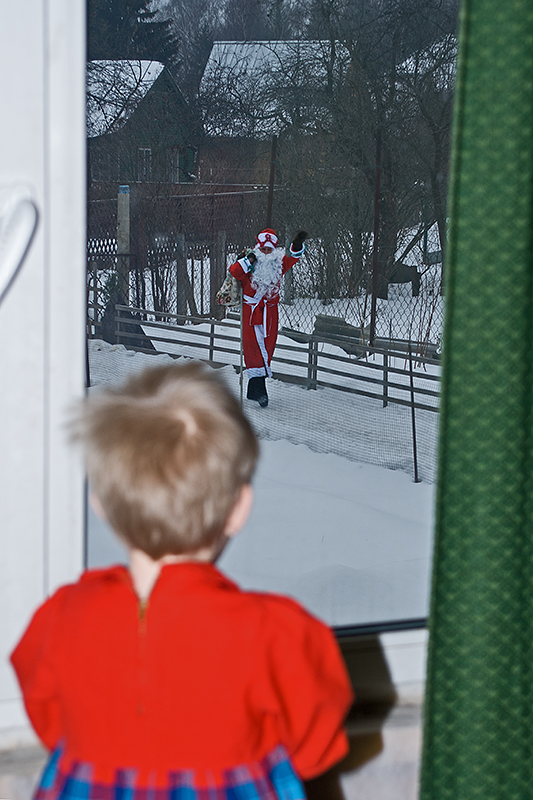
251,301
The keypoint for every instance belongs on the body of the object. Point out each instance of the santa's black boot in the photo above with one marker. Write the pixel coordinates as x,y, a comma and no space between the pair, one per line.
252,391
257,391
263,396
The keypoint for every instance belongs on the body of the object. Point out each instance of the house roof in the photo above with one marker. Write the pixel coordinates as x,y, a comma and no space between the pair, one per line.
255,60
263,82
436,63
114,90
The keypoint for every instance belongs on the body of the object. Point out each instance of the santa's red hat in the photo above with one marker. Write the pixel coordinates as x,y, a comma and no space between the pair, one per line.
267,238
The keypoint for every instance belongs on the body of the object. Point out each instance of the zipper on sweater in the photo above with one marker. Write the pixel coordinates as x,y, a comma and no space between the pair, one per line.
143,607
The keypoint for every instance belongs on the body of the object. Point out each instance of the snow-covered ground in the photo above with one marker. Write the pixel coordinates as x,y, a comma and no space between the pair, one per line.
349,539
326,420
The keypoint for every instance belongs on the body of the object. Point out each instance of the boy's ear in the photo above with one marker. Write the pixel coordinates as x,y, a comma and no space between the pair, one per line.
240,511
96,506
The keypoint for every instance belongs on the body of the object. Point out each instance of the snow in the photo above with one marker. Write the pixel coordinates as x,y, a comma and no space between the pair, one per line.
350,540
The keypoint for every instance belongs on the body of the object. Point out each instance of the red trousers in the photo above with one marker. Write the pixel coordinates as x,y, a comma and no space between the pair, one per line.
260,333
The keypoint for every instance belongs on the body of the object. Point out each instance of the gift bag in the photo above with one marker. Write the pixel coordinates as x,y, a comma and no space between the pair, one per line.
229,292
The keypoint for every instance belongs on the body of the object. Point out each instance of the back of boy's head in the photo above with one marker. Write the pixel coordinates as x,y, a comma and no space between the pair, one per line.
167,454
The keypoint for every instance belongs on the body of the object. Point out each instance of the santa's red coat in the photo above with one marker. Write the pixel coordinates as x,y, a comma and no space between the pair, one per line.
260,316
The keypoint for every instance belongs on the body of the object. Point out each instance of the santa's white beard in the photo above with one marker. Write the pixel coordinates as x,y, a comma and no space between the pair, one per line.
266,277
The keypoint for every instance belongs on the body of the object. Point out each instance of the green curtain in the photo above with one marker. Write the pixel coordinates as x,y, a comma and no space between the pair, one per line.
478,728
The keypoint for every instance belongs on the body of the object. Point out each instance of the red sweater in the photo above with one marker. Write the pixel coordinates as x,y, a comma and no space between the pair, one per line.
206,676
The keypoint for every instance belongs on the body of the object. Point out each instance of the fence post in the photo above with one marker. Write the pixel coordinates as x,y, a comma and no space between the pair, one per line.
123,242
385,379
413,420
375,242
217,273
312,364
212,342
92,277
117,322
288,288
288,280
202,281
181,272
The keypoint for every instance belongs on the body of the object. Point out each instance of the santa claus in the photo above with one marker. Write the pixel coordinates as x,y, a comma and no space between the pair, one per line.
260,271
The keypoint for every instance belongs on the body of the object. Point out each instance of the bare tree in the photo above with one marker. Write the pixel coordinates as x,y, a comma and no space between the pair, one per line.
425,89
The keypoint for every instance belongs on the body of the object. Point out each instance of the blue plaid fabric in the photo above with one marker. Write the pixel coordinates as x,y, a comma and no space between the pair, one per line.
273,778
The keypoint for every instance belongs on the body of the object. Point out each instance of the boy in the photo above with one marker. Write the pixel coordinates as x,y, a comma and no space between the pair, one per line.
260,272
165,680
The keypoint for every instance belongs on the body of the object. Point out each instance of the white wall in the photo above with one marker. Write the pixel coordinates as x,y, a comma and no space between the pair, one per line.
406,654
42,145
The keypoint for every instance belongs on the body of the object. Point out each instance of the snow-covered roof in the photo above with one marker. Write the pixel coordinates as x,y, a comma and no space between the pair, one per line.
436,63
267,80
256,60
114,90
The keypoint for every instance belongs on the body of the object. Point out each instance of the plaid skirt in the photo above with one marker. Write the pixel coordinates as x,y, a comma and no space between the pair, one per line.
272,778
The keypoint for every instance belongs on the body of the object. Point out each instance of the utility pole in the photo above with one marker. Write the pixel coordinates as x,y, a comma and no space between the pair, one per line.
123,242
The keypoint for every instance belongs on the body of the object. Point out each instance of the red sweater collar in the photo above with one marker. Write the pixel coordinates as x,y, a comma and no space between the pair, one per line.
182,576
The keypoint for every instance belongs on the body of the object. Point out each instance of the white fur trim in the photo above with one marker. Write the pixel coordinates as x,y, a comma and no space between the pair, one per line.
266,237
256,372
260,336
245,263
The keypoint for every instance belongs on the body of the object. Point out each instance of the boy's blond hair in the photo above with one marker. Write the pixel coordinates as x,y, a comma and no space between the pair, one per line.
167,454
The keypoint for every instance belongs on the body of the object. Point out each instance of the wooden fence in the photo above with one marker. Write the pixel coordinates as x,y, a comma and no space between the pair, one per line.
382,373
